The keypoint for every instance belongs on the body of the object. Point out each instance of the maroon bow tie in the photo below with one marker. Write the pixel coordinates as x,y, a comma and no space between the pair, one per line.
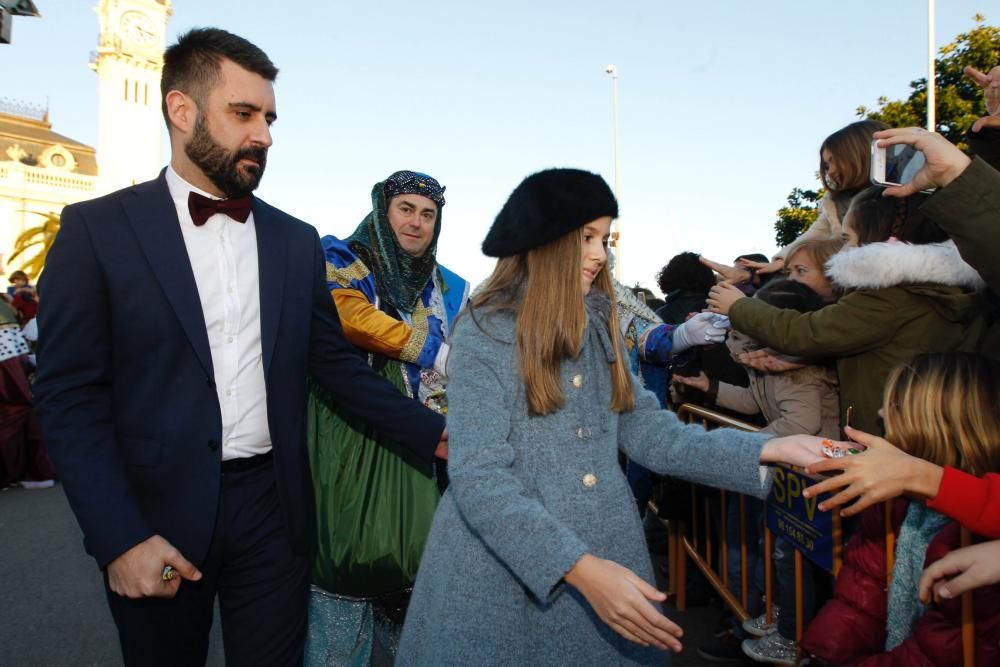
202,208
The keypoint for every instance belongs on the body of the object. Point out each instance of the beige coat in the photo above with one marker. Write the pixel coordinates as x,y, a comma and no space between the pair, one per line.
803,400
827,227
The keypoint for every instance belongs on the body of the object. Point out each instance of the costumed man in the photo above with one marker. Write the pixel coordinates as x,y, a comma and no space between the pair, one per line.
375,502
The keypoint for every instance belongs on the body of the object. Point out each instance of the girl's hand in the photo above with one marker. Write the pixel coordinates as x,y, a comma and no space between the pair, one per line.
698,382
734,274
769,361
722,297
621,599
944,161
879,473
961,571
774,266
796,450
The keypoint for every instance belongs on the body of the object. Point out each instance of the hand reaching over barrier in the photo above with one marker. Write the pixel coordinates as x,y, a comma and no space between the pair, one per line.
879,473
991,92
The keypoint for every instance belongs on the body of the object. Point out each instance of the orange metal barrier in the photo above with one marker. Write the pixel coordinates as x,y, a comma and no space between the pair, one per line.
691,541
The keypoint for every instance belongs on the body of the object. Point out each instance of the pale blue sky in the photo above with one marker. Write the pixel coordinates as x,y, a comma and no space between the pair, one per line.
723,103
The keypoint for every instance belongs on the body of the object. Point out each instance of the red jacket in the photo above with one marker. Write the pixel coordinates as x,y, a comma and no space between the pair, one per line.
972,501
27,308
850,628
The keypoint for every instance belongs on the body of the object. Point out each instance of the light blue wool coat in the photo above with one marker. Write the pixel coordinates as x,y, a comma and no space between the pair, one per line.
530,495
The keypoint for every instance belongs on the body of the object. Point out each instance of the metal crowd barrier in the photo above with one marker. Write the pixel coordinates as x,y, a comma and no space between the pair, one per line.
690,541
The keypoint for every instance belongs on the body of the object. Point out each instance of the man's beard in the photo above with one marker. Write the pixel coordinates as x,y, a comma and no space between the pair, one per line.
221,166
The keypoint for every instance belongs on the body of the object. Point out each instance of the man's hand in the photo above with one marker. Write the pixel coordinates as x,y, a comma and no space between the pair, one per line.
944,161
991,94
138,573
621,599
722,297
879,473
442,449
960,571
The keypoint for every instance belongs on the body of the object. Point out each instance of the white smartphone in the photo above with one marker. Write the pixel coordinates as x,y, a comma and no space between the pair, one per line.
895,165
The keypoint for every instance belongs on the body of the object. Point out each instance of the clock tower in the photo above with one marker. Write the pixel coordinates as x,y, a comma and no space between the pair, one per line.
128,62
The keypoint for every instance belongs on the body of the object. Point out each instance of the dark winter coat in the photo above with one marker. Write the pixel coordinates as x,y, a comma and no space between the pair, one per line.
850,628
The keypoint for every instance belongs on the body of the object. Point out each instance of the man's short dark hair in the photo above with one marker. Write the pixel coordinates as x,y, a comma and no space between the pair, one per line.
194,63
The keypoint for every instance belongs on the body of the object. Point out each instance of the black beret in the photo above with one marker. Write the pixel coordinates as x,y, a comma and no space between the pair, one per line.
548,205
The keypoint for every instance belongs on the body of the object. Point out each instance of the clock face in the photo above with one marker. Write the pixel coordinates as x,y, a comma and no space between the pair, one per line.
138,28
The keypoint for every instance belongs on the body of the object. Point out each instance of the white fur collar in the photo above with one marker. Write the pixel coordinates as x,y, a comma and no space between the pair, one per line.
879,265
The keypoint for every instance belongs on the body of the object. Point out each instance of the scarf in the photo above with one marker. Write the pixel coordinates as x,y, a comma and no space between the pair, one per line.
919,528
399,276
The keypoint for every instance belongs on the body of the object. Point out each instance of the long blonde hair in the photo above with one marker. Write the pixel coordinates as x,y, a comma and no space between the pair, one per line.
943,408
543,288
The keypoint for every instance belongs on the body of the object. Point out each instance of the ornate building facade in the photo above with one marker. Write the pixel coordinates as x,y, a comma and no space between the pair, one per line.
42,171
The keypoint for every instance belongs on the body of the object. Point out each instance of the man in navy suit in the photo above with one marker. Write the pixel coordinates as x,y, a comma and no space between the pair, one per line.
180,319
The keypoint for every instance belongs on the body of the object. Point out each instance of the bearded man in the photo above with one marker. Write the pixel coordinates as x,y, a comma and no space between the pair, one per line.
180,320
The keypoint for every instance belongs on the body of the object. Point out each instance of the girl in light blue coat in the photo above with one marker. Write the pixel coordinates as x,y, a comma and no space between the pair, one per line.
536,555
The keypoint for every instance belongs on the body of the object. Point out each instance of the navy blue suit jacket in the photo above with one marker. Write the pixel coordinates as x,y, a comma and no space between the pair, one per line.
125,386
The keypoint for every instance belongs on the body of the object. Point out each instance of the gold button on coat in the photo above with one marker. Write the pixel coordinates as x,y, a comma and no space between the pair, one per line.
590,480
577,381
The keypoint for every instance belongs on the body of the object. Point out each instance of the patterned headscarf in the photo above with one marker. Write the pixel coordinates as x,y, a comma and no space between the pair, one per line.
399,277
413,183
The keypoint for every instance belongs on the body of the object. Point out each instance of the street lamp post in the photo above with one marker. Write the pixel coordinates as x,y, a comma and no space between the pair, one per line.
616,238
931,76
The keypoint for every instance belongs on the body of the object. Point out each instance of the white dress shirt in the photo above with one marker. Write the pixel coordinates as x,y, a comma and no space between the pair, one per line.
223,256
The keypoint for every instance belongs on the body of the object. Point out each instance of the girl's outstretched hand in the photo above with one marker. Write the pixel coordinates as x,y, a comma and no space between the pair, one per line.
621,598
796,450
879,473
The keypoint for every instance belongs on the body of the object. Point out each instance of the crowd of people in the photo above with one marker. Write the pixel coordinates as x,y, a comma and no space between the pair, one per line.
365,461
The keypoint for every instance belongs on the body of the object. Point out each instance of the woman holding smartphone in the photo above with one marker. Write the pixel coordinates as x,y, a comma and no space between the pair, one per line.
536,554
844,170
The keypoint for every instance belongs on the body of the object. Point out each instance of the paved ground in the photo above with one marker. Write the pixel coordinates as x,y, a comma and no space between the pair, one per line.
52,606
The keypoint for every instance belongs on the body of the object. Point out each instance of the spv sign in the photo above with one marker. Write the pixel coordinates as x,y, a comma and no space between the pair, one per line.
798,520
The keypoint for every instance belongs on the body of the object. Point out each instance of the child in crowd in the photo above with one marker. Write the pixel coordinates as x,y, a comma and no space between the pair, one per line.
802,400
807,265
906,291
23,296
939,407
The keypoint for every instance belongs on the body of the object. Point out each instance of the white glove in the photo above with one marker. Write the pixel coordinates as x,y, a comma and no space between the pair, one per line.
702,329
441,359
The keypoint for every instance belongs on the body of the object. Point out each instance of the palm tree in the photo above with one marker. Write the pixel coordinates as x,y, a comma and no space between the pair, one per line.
39,239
